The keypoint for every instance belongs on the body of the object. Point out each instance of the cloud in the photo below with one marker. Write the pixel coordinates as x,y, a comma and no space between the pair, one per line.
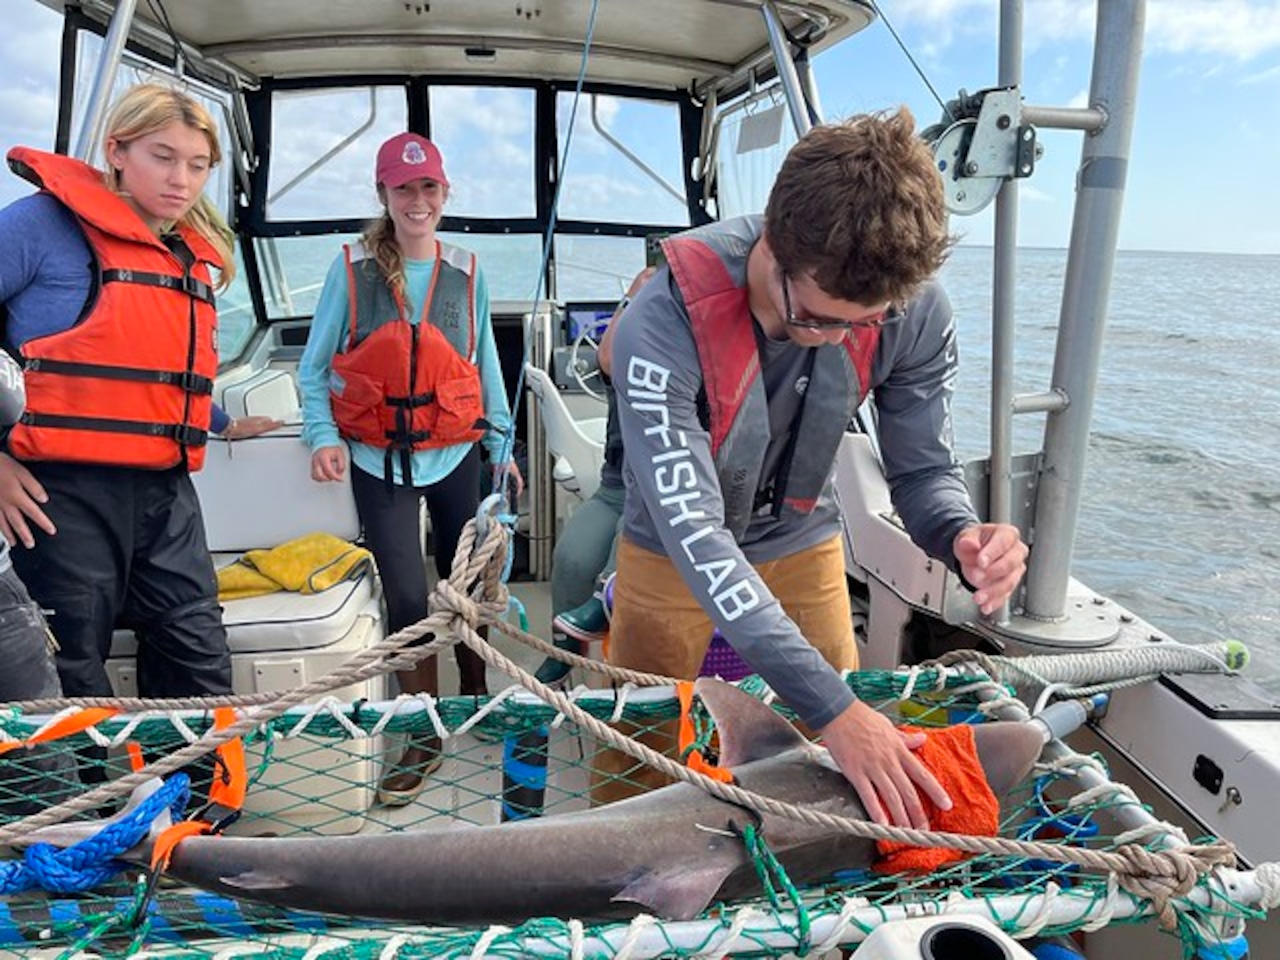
498,113
30,32
1239,29
1262,76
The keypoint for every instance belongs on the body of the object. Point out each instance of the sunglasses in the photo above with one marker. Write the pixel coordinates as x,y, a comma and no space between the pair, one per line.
892,314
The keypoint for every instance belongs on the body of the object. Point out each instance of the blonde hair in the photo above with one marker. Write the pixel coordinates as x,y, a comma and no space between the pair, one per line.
149,107
379,239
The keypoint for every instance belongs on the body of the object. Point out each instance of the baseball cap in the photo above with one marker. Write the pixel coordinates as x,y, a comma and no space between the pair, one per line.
408,156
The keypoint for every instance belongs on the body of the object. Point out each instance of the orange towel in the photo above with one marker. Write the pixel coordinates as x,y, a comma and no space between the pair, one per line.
952,756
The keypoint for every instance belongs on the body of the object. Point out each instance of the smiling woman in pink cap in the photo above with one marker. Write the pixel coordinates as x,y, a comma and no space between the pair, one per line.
401,363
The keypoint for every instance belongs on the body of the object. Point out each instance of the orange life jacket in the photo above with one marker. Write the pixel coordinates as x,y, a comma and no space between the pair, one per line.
404,386
130,383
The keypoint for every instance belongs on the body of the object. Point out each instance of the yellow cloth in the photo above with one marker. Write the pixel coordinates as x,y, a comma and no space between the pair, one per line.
308,564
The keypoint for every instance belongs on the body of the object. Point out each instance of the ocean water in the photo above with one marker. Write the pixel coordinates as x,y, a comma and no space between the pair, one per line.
1181,515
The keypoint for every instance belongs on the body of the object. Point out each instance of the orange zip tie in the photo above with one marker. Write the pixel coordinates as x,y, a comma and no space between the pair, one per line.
163,850
694,759
231,781
136,760
72,724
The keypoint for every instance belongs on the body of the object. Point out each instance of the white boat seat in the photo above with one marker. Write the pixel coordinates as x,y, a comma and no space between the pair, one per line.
258,493
269,392
577,445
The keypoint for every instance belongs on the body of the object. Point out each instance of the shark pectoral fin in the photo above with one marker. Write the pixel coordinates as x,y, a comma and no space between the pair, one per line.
677,893
256,880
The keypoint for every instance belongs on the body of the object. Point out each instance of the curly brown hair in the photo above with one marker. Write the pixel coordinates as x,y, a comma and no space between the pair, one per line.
859,206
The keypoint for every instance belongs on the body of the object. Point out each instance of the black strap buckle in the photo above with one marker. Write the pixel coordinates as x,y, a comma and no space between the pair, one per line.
196,383
187,435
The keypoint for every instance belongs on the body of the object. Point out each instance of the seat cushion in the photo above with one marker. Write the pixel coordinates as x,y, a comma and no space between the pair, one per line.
284,620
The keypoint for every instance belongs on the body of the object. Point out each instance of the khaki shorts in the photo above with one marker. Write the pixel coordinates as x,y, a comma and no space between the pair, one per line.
658,627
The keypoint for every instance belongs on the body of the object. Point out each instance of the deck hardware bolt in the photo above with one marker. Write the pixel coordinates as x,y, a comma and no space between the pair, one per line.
1003,121
1233,798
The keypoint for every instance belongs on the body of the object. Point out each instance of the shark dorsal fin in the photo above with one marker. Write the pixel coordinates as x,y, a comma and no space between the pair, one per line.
749,730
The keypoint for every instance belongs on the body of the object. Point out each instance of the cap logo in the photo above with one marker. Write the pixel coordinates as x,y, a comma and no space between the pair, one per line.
413,153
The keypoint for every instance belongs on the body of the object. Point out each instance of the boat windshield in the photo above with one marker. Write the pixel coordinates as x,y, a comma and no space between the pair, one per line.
623,177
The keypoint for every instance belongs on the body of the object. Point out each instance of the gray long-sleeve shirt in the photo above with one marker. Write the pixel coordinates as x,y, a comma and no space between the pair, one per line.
674,504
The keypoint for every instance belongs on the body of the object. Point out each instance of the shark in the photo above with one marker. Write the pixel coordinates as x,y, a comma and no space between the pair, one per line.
671,852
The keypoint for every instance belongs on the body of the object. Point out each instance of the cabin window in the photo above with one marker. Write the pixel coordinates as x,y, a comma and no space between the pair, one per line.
293,271
486,137
323,144
135,69
624,160
753,136
511,262
235,314
596,267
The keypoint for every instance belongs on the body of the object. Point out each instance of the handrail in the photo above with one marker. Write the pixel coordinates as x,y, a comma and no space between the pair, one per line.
1082,320
104,80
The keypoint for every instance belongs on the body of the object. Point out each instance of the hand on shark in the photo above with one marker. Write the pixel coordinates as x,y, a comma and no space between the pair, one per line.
878,760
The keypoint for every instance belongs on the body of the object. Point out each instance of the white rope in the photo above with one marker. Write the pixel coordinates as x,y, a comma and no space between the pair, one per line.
1040,919
392,946
1152,831
1267,876
843,924
636,929
620,701
720,945
908,688
486,940
1106,908
501,697
323,946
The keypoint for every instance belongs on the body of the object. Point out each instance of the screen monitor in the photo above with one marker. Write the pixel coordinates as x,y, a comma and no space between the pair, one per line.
588,316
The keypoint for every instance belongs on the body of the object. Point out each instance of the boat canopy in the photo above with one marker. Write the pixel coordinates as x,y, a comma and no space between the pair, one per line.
702,47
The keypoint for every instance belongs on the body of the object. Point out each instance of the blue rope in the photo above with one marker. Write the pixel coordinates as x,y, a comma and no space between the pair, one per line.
93,861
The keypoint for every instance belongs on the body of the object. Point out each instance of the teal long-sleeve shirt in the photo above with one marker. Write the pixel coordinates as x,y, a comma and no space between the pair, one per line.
329,331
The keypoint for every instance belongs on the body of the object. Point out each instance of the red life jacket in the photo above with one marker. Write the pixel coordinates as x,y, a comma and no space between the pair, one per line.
709,265
403,386
131,382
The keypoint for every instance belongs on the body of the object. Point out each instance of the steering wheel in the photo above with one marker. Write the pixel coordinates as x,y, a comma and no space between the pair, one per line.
586,372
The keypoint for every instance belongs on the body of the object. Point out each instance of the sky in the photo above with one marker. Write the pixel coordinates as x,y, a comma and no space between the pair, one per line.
1206,144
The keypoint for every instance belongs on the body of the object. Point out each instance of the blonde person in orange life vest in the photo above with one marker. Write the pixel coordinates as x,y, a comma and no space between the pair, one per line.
107,282
401,363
